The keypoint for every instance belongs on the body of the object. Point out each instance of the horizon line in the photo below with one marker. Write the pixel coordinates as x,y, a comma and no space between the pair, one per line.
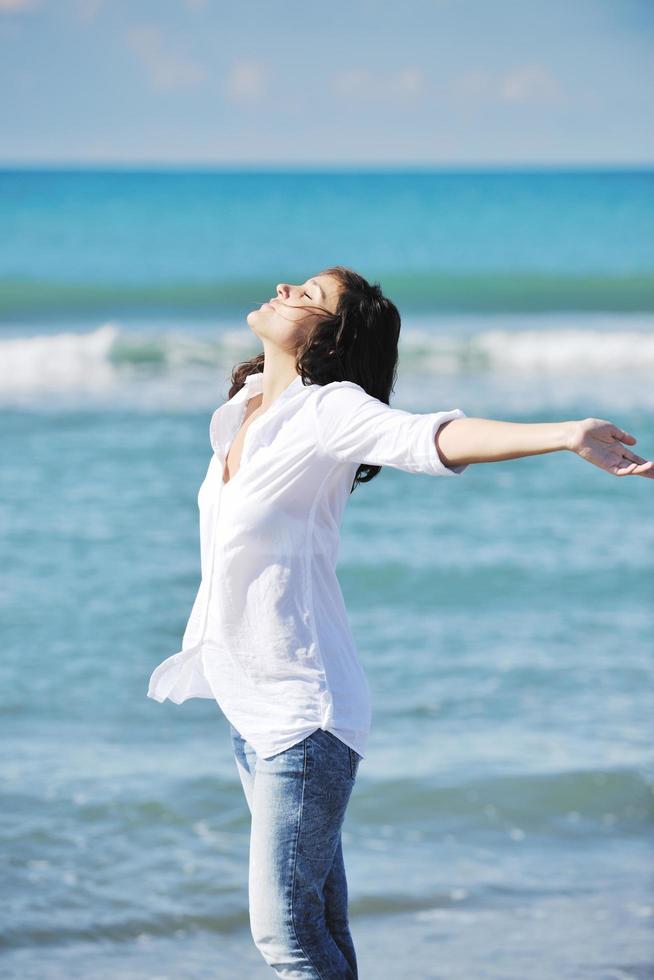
288,166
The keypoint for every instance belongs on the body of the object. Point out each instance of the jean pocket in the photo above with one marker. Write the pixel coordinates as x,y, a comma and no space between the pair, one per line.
355,759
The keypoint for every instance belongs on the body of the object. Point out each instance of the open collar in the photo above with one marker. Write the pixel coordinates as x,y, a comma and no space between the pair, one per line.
225,418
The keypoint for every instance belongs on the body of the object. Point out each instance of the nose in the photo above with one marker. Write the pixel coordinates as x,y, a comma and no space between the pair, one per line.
283,290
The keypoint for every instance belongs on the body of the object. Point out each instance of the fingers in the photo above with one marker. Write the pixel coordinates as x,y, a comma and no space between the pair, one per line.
643,468
623,436
633,458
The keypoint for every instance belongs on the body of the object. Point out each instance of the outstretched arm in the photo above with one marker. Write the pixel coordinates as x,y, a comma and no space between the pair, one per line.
473,440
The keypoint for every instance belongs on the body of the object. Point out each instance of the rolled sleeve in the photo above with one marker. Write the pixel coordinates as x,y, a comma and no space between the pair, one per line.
438,467
353,426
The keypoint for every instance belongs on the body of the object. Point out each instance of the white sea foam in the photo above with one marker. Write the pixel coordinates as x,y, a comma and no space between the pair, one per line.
162,364
58,361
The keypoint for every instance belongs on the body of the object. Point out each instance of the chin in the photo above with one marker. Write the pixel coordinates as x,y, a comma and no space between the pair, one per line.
251,320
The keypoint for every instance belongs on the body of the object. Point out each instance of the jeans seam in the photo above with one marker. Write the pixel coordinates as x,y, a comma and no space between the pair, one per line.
297,837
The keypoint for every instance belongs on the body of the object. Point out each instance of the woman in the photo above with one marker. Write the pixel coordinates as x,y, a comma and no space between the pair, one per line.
268,638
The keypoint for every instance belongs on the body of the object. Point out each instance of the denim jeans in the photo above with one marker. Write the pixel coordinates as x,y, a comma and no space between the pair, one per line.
297,888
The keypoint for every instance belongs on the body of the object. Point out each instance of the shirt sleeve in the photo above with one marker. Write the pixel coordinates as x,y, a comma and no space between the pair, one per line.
355,426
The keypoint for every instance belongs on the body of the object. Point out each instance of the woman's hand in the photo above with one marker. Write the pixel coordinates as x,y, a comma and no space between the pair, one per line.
600,442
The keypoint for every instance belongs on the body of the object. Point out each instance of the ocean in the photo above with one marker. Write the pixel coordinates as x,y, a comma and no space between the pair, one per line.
501,823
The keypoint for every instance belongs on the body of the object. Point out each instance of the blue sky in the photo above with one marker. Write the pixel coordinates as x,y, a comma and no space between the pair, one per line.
350,82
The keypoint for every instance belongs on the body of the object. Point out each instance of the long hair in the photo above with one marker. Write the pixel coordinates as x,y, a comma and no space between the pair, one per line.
359,342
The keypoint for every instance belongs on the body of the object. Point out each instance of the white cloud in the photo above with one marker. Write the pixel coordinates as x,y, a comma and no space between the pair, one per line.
166,69
404,85
530,84
11,6
88,10
246,82
408,82
522,85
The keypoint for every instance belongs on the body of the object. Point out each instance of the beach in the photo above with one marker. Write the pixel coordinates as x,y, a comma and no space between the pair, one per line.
501,823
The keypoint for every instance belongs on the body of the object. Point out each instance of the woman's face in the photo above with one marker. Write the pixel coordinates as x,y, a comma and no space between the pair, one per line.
289,317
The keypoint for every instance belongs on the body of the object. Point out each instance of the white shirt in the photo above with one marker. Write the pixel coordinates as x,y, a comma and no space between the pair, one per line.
268,635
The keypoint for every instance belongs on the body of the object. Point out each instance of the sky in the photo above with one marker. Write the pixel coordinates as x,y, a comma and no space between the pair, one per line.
291,83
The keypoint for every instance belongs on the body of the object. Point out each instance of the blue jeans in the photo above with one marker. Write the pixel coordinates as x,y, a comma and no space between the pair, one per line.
296,882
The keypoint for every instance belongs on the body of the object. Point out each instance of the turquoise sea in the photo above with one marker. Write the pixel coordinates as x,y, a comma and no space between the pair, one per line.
501,824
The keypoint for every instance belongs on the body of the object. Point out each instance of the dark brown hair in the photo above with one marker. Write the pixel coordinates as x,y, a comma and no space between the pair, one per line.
359,342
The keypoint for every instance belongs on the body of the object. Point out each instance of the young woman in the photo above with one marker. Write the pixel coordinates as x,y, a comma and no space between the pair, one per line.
268,638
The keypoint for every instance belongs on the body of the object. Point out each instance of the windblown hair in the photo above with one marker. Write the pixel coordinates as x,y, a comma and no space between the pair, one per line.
359,342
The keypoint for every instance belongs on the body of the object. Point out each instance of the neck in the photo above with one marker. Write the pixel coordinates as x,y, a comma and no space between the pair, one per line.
278,373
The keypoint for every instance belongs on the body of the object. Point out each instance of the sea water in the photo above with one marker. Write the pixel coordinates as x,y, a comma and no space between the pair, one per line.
501,823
